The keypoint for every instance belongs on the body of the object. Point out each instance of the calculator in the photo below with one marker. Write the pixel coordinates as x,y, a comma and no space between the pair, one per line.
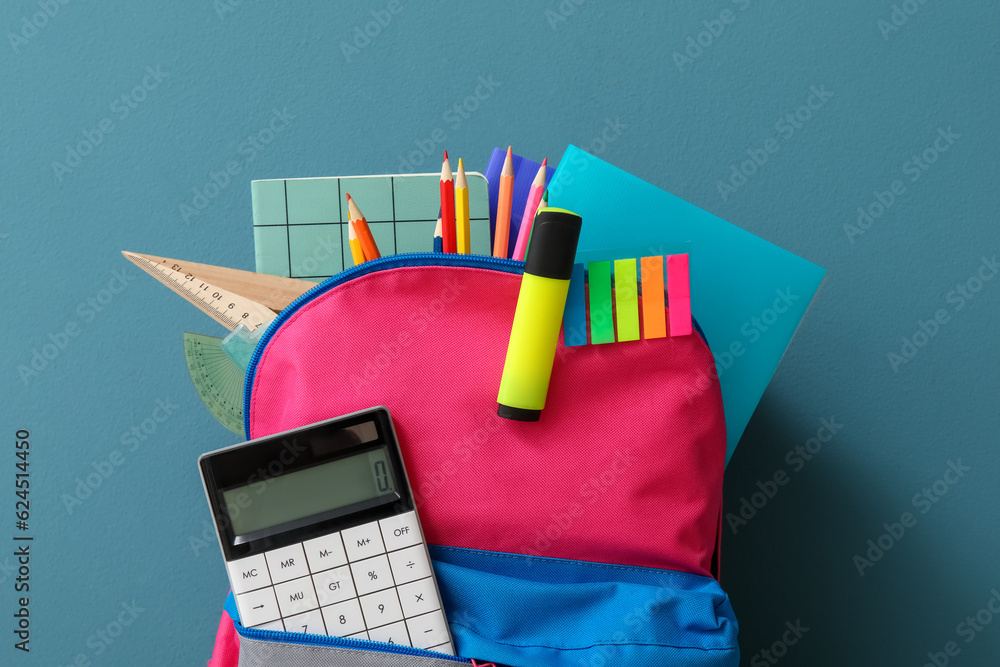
320,534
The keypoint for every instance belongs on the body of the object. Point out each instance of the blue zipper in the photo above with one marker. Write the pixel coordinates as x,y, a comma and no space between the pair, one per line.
344,642
381,264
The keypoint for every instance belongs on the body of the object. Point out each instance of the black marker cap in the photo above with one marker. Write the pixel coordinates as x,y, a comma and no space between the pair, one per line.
552,249
518,414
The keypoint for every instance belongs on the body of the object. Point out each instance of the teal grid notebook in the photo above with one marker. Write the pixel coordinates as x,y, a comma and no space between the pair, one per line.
747,294
300,224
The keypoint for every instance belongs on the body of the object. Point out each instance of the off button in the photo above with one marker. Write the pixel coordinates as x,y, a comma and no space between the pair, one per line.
400,531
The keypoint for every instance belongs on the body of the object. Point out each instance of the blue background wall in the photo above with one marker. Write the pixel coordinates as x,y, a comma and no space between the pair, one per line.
562,71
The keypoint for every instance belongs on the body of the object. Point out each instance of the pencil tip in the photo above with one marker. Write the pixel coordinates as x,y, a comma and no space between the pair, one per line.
445,155
460,165
348,194
545,161
508,151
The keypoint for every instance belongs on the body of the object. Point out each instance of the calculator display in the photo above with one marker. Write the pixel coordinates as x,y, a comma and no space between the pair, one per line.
321,488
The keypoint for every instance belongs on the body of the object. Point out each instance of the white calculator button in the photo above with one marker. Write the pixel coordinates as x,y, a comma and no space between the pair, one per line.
273,625
410,564
310,622
344,618
427,630
325,552
400,531
334,585
257,607
372,575
360,635
296,596
381,608
418,597
287,563
390,634
247,574
363,541
444,648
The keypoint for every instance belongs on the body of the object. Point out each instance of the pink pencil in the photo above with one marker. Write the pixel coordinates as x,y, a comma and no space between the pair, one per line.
530,208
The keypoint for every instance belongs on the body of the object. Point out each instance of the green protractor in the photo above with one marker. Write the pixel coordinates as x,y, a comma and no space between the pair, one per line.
217,378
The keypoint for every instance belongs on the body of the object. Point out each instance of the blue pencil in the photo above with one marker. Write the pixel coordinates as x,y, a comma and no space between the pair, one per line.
438,240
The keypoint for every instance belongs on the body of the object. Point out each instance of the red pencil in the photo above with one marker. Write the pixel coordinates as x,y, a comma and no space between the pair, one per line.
448,240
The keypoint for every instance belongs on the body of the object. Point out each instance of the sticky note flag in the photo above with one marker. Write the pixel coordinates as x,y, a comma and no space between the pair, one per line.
575,315
626,300
679,295
654,313
602,327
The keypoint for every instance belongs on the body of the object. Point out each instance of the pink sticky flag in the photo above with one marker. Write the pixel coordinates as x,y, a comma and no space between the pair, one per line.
679,295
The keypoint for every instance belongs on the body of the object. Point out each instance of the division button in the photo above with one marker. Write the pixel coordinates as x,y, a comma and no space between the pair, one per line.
410,564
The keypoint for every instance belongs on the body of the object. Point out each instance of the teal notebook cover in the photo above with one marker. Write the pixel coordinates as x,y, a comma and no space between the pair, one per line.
747,294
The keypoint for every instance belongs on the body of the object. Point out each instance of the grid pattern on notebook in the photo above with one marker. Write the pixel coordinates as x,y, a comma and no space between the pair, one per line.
300,224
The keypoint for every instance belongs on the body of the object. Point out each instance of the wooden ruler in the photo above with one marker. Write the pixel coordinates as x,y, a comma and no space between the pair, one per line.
229,296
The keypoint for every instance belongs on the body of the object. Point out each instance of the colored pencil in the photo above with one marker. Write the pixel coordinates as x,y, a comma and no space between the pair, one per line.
357,220
545,199
530,207
438,241
504,202
462,240
357,254
447,206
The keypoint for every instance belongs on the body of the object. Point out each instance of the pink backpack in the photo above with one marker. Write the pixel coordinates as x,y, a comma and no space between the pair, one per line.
593,533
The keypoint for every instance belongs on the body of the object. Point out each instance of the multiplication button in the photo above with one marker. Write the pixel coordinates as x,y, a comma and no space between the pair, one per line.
418,597
247,574
410,564
400,531
363,541
372,575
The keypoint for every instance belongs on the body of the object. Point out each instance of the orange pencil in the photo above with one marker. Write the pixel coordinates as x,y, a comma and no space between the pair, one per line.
505,201
361,229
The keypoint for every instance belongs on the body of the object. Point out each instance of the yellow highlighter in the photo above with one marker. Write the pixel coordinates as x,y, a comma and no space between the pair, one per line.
540,304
